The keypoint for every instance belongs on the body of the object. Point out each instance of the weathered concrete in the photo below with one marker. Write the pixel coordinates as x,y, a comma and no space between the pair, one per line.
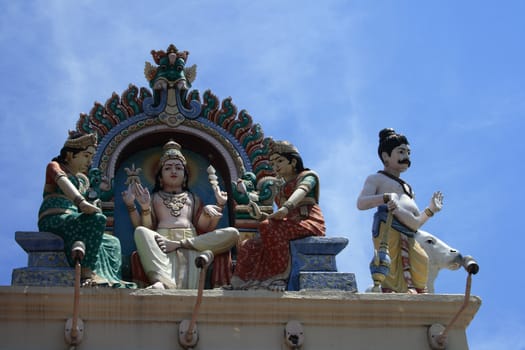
34,318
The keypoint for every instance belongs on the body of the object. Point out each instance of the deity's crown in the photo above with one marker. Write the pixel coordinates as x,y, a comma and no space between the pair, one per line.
171,151
172,53
282,147
81,142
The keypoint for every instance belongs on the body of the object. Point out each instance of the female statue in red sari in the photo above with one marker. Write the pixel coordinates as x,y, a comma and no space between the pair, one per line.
264,261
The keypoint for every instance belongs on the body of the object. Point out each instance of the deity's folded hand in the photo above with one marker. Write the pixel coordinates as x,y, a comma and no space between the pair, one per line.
88,208
279,214
436,203
212,210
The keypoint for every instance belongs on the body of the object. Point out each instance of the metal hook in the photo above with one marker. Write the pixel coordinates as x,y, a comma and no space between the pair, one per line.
74,329
294,335
437,333
188,334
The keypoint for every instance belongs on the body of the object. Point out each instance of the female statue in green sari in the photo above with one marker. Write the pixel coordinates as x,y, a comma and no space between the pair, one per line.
65,211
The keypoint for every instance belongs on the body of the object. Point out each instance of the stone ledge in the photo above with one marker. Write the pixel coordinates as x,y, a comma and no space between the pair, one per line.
326,307
34,317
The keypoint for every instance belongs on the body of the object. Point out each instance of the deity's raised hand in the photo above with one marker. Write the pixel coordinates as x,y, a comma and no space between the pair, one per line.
436,203
128,196
212,210
142,194
220,196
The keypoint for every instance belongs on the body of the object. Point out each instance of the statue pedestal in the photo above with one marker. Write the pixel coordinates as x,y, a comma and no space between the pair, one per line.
314,266
312,259
47,264
328,280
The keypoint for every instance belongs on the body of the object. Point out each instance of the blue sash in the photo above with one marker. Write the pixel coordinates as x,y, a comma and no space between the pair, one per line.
381,214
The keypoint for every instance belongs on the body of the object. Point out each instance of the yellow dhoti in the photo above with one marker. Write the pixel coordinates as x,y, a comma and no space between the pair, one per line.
416,264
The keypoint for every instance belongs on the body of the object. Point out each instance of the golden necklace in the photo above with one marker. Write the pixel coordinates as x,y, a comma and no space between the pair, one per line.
174,201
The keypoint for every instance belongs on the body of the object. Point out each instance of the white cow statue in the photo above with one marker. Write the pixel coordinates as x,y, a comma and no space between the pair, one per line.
440,256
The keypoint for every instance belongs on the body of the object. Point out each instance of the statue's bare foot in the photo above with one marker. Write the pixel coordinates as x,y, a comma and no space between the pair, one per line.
166,245
156,285
238,284
277,286
94,280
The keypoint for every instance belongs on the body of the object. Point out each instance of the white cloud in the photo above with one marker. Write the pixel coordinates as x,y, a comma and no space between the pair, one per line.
343,166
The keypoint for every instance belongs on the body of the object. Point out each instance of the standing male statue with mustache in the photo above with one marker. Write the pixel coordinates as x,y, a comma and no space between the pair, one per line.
389,193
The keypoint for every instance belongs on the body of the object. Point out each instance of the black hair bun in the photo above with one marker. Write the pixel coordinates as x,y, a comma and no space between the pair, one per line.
385,133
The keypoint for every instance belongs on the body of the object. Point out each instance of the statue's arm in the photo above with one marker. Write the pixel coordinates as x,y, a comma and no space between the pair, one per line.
74,195
369,196
292,201
145,217
208,220
412,217
305,186
210,215
409,219
134,216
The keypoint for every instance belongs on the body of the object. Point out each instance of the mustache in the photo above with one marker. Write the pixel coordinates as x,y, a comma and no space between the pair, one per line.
405,161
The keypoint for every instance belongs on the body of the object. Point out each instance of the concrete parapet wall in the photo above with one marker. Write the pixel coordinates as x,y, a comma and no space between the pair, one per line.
34,318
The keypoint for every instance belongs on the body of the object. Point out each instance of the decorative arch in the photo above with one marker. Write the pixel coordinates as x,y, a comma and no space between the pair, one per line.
144,117
120,120
113,145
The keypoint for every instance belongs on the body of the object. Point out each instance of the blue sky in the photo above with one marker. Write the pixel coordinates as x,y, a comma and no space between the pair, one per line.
326,76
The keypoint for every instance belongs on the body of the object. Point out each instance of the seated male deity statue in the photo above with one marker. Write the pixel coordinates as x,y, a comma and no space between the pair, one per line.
170,218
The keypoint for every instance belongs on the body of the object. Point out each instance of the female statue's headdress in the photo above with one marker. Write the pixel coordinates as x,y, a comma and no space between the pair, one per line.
283,147
77,141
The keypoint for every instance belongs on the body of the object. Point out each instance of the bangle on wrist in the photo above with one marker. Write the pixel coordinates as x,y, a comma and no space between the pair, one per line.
146,211
429,212
288,205
131,208
386,198
78,199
